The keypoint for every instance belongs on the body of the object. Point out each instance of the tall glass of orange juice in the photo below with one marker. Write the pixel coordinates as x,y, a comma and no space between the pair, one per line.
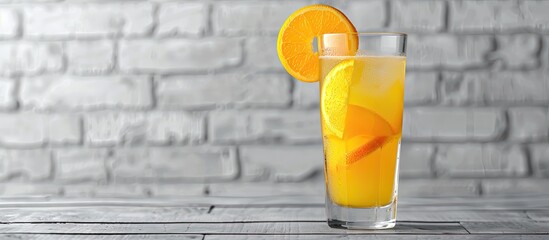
361,105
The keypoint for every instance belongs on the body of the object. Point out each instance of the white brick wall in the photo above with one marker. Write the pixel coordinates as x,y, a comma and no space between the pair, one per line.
7,94
71,92
458,124
185,19
30,58
34,130
191,164
179,55
32,165
185,98
480,160
158,128
9,23
241,17
226,90
448,51
367,15
90,57
264,126
406,15
88,20
282,163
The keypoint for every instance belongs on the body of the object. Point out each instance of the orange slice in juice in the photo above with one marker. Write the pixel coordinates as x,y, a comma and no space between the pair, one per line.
363,130
335,96
295,39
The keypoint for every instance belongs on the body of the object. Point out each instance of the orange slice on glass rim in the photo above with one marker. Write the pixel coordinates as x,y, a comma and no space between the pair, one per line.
296,36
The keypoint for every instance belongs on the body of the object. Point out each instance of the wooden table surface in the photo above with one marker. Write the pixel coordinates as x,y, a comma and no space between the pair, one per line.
276,217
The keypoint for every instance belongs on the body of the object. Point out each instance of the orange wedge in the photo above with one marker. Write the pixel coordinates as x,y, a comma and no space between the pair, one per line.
295,39
335,96
371,145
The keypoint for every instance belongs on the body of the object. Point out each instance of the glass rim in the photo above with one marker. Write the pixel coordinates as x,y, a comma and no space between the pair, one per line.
369,34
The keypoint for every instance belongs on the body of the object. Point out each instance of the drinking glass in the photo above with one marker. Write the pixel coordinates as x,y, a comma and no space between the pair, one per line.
361,103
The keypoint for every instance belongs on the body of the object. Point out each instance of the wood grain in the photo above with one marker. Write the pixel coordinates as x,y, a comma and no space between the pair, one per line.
263,218
225,228
540,215
507,227
273,214
464,215
375,237
100,237
102,214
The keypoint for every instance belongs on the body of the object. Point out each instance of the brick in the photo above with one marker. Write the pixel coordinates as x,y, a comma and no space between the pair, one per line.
29,190
438,188
515,87
210,91
191,164
30,129
281,163
475,160
415,160
535,13
261,54
264,126
485,16
405,17
113,128
500,87
80,165
28,1
455,90
367,15
262,189
9,23
186,19
306,95
33,165
26,58
453,124
518,51
179,55
539,154
528,124
420,88
514,187
7,94
260,17
87,20
90,57
448,51
72,92
177,190
91,190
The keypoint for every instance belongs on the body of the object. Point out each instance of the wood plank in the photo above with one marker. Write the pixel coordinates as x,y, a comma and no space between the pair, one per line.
318,214
266,237
376,237
295,200
539,215
109,214
100,237
491,203
272,214
484,203
466,215
276,228
102,214
507,227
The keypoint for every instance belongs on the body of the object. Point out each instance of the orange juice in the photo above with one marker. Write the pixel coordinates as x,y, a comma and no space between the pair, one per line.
362,101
